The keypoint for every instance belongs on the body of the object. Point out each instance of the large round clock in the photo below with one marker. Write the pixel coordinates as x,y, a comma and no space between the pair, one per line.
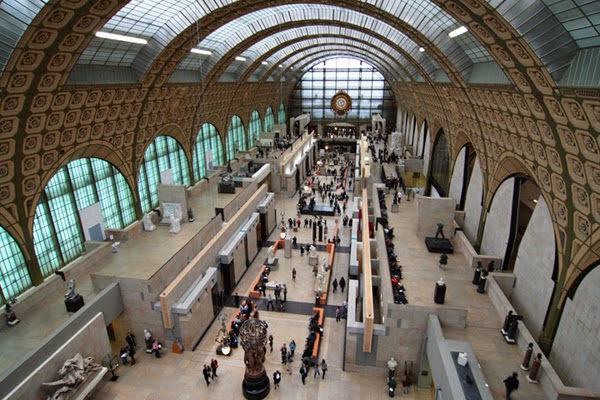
341,102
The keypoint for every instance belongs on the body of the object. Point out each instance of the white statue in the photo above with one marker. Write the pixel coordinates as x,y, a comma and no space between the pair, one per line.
148,225
320,279
323,266
72,374
71,289
312,251
271,255
175,222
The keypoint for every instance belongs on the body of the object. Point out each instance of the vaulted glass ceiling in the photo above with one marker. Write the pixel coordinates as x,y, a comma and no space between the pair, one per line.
428,17
556,30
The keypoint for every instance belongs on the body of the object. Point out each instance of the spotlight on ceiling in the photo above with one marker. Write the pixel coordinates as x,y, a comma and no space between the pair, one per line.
422,49
200,51
265,63
280,65
121,38
458,31
238,58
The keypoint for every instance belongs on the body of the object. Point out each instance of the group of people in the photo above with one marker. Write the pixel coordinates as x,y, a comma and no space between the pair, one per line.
210,371
127,353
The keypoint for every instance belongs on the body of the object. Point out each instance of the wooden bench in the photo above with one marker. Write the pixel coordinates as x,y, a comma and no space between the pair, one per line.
315,352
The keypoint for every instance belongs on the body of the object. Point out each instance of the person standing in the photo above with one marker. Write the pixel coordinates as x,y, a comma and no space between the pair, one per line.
270,303
337,314
512,384
214,365
130,339
131,352
317,370
303,373
206,373
283,353
276,379
323,367
236,298
123,354
156,347
301,250
342,284
294,274
284,293
271,342
292,347
335,285
443,261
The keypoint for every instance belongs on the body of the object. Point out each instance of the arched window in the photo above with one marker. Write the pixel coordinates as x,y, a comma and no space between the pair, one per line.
236,137
14,275
281,115
440,165
269,120
163,154
208,151
57,230
254,128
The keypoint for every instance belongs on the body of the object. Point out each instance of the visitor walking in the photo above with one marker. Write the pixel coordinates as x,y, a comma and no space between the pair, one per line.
323,367
335,285
206,373
342,284
276,379
303,373
512,384
271,342
214,365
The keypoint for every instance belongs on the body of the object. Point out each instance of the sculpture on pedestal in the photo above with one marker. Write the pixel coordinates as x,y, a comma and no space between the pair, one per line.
72,374
527,357
271,255
71,290
312,251
148,224
11,317
175,221
440,231
535,369
253,338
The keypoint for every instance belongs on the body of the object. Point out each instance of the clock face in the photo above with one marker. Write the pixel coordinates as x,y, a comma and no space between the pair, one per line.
341,102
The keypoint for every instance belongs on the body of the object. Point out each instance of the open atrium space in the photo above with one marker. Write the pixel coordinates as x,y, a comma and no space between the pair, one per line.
317,199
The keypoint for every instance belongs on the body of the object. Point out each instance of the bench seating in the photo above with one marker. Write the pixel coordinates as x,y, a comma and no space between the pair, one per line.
315,352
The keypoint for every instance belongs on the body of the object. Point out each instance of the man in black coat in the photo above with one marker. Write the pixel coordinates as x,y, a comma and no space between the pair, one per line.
511,383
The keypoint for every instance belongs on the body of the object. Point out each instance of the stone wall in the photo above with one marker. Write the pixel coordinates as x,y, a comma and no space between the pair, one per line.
576,347
497,224
533,269
473,203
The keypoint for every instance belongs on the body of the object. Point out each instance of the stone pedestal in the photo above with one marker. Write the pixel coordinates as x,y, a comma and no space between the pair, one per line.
394,208
287,248
272,263
74,303
313,260
256,388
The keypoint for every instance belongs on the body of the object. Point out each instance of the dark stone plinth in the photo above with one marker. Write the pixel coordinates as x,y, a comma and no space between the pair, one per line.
256,388
318,210
74,303
439,245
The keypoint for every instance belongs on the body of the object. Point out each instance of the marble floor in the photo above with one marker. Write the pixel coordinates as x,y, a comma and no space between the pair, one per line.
179,376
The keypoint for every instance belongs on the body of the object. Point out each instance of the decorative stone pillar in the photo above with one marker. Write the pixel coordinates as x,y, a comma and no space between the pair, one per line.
527,358
253,339
535,369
